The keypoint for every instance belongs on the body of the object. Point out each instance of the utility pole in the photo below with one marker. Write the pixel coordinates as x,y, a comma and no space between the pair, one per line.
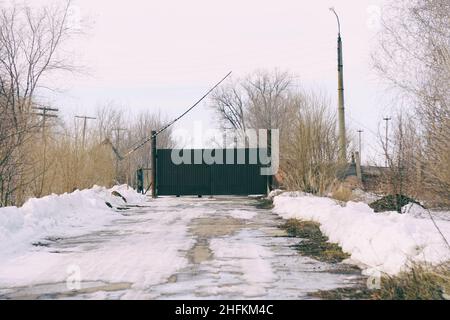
44,113
341,108
387,119
117,130
360,141
358,158
84,127
400,168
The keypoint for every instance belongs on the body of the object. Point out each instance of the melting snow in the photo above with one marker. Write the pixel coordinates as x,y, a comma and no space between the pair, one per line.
383,242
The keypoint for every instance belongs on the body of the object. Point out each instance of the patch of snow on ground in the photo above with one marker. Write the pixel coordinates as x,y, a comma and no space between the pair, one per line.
94,239
243,214
383,242
245,257
61,215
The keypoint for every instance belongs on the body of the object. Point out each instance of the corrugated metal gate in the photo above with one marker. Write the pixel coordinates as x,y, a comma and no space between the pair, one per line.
209,179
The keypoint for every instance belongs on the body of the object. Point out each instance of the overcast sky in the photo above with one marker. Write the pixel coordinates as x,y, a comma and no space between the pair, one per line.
163,55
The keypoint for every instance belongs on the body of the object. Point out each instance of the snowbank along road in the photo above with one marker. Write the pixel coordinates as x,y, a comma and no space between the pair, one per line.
170,248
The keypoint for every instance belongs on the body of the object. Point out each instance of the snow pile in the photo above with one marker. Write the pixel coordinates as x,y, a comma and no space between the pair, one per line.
363,196
383,242
59,215
417,211
140,249
129,194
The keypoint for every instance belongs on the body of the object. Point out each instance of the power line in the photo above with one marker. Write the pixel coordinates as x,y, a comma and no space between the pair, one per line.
45,109
362,125
44,113
176,119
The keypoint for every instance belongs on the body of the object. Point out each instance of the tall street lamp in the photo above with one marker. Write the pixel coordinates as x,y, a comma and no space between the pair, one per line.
341,109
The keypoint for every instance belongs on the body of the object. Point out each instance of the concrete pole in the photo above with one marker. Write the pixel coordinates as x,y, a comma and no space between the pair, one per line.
387,119
360,142
358,166
341,108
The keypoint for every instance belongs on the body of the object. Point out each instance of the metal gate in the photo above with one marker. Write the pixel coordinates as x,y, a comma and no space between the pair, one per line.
204,179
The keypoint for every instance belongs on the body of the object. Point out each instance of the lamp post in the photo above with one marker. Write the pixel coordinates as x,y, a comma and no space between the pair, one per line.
341,109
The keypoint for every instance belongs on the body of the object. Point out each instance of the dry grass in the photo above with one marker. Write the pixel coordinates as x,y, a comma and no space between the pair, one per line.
56,160
314,244
421,283
359,293
265,204
342,194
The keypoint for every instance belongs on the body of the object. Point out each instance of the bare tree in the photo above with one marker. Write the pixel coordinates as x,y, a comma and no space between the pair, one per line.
30,43
268,94
309,152
259,101
413,57
308,140
229,101
140,129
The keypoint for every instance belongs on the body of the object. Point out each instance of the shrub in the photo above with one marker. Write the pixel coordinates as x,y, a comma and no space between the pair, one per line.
391,203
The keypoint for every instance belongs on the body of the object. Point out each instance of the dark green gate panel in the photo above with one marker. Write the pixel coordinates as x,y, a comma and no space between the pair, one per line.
206,179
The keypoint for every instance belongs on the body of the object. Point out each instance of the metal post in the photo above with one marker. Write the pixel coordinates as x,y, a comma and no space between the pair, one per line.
269,152
154,155
140,180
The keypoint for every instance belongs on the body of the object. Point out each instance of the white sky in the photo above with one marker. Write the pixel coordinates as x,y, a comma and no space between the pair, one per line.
163,55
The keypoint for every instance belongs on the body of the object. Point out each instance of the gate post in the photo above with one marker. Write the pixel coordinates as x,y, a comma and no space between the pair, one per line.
140,180
154,194
269,151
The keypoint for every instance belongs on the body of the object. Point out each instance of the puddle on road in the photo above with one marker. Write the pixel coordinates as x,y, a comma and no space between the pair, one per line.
215,227
274,232
200,252
59,290
204,229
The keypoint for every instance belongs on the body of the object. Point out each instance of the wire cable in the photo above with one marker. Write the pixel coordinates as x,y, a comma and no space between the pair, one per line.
176,119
